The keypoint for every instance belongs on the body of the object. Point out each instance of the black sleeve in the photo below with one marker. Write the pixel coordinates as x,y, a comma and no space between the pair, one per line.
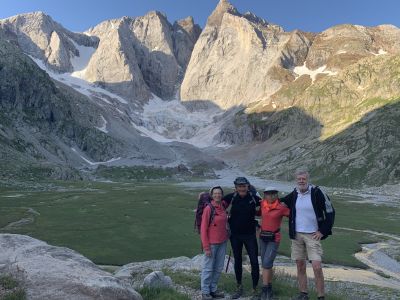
287,199
329,212
227,199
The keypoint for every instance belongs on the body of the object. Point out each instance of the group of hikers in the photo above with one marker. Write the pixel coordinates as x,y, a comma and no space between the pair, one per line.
233,216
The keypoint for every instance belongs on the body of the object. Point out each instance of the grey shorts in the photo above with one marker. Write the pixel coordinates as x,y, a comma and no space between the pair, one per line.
268,253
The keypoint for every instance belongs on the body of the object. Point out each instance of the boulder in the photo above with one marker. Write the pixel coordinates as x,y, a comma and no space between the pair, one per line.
49,272
157,279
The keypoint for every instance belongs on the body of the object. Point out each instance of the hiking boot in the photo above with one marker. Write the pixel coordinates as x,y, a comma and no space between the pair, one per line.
256,295
217,294
206,297
264,293
238,293
267,293
270,294
301,296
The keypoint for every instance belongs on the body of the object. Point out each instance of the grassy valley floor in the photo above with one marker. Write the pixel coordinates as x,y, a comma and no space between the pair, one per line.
118,223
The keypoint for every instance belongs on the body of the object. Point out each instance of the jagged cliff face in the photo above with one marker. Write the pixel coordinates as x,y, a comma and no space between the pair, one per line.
132,57
239,59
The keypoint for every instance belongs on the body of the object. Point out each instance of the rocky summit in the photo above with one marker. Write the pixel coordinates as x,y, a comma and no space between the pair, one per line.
241,91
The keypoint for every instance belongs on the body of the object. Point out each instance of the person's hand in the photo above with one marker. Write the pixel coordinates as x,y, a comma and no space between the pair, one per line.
317,236
207,253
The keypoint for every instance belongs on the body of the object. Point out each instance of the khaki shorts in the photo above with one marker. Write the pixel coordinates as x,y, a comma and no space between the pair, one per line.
304,246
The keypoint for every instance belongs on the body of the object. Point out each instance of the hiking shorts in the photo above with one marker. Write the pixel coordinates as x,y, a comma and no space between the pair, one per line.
268,253
305,247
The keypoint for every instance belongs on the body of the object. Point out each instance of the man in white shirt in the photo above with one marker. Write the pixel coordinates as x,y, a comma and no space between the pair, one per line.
311,220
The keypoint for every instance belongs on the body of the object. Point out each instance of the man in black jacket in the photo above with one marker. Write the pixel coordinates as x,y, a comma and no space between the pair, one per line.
242,225
310,221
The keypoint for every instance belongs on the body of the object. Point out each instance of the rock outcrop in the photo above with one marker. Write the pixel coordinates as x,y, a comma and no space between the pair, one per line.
185,35
157,279
114,65
49,272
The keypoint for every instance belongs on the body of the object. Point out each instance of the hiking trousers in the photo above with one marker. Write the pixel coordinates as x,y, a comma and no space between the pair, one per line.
249,241
212,268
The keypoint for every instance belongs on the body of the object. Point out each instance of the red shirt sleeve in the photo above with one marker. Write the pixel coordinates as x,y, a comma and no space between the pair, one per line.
205,219
285,211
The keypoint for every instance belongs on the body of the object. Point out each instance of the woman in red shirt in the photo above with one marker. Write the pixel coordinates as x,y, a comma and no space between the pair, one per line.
214,236
272,212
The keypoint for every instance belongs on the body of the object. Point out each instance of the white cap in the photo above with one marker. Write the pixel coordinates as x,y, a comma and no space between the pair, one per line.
270,189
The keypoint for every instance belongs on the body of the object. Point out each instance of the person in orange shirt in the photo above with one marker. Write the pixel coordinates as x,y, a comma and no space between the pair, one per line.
272,212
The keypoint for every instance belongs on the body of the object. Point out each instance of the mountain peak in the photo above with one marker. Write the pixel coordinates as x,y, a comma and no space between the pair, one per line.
188,21
223,7
189,26
156,13
40,14
36,15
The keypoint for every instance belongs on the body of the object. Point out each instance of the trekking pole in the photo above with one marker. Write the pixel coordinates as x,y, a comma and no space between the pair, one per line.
229,259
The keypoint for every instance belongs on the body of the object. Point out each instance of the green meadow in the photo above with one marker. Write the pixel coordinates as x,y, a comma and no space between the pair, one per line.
117,223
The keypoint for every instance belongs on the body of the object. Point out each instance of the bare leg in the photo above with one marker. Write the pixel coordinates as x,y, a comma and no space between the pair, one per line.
301,275
266,276
319,277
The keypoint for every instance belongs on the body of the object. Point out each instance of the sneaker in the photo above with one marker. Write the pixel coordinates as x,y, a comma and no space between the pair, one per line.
217,294
206,297
238,293
301,296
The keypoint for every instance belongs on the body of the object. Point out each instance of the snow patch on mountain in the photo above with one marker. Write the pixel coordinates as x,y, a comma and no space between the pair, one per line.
161,120
166,121
79,63
380,52
155,136
82,86
303,70
104,126
94,163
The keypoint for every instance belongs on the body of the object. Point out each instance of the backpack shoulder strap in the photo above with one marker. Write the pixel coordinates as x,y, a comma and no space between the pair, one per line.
212,214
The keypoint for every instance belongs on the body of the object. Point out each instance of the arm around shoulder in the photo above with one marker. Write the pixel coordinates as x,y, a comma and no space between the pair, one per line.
287,200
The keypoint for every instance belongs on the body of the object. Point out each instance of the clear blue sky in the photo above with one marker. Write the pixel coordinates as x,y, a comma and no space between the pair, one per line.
308,15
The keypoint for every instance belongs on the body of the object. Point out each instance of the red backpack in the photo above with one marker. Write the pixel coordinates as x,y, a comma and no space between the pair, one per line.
204,201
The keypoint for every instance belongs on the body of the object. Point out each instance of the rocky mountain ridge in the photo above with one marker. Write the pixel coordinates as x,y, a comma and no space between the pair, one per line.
243,83
127,57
